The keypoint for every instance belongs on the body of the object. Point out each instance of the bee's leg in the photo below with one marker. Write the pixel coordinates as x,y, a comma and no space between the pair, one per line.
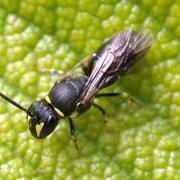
102,111
51,71
121,94
72,131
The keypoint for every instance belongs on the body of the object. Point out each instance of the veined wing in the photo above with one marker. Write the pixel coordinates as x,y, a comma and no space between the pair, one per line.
82,68
115,58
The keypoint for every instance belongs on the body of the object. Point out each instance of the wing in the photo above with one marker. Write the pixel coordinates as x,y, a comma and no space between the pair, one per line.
114,59
82,68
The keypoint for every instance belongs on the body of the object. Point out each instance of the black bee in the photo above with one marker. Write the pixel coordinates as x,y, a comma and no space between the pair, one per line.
75,91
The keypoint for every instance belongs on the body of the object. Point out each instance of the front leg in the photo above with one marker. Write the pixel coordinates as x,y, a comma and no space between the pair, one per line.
72,132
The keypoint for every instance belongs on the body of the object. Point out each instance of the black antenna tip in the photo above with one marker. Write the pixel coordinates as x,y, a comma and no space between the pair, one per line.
14,103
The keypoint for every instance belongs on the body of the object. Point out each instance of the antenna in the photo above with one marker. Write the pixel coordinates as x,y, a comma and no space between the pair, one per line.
14,103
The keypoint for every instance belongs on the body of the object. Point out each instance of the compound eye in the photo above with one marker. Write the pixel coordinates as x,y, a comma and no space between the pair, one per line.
48,126
32,121
51,120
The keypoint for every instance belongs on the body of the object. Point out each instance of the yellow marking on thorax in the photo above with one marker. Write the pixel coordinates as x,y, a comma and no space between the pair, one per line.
61,114
47,99
74,114
39,128
56,109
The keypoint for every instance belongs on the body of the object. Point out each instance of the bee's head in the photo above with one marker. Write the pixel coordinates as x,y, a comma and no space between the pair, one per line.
43,119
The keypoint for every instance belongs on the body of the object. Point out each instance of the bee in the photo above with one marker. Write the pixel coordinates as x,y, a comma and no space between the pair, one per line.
75,91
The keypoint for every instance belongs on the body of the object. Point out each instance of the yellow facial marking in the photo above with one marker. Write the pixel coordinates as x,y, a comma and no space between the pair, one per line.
39,128
59,112
47,99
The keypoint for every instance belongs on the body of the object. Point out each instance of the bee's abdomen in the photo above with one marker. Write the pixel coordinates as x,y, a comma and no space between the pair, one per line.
64,94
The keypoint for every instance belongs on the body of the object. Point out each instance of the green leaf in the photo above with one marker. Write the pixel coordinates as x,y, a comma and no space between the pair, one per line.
139,142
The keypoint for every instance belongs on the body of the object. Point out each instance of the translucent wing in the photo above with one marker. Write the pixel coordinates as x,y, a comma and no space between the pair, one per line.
82,68
114,59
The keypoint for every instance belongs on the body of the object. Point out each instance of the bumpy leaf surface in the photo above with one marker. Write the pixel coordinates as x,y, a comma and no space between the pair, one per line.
139,141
